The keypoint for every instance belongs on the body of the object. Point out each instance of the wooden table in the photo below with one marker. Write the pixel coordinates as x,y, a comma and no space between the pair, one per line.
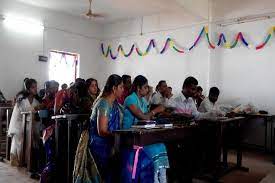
142,137
268,119
68,121
221,146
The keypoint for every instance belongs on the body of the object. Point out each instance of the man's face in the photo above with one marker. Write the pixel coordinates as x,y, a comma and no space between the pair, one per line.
190,90
163,88
213,98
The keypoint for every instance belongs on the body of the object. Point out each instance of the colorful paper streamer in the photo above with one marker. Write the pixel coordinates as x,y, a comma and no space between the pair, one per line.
238,38
222,41
170,43
204,30
270,33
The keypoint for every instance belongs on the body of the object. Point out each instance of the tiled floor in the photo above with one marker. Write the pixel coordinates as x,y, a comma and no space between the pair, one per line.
10,174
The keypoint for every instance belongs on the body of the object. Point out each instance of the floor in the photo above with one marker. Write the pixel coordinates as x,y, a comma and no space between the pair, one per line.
260,166
10,174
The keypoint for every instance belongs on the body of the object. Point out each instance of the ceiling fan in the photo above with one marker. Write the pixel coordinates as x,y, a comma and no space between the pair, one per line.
90,14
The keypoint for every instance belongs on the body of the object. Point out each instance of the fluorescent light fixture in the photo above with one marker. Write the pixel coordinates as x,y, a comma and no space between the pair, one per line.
24,25
246,19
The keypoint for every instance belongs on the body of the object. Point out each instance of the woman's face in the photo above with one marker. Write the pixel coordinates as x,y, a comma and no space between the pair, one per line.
143,91
33,89
118,90
93,88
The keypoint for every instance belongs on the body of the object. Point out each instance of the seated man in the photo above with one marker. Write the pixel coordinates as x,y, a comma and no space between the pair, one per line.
160,97
208,104
198,96
185,104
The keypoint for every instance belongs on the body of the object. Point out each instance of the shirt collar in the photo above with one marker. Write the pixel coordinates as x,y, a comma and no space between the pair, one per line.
184,99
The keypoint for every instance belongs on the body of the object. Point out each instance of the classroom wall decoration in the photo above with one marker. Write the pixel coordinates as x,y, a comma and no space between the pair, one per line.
170,43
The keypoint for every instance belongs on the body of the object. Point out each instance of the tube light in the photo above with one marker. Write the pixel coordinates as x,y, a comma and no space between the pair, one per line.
20,24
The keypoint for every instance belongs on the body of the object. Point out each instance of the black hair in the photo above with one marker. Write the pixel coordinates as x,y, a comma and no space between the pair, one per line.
214,91
125,77
113,80
64,86
139,81
199,88
89,82
24,83
50,84
80,89
25,93
189,81
79,80
160,82
169,87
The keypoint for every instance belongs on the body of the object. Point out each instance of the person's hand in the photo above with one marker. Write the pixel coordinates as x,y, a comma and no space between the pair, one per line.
159,109
33,110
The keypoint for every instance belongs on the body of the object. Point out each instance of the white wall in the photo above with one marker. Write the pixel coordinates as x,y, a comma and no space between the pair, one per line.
243,75
171,66
246,75
19,52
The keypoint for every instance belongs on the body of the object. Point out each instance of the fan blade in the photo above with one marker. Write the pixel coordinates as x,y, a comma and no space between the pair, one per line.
97,15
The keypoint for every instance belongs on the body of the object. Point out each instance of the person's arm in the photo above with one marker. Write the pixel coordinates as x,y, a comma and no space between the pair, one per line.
205,106
102,120
102,126
155,99
140,115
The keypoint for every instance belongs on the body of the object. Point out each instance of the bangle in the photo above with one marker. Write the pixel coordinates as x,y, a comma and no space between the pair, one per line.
153,113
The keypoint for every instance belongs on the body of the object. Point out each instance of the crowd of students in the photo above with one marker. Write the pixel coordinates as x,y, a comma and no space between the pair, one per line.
121,104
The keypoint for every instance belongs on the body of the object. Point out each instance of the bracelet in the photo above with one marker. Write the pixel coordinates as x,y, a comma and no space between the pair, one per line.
153,113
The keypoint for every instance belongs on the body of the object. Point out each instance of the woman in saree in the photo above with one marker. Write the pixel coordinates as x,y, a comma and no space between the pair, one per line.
106,117
155,155
92,92
26,101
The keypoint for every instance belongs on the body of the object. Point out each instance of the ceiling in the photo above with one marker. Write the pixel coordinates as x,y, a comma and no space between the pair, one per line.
122,9
117,9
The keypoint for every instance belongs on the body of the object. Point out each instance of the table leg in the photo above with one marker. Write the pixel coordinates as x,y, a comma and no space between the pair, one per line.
271,134
69,156
8,139
265,140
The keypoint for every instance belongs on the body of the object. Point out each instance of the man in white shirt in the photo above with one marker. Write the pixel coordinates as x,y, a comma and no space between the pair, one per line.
185,104
159,97
209,103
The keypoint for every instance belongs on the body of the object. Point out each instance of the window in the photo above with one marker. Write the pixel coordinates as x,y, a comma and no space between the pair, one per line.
64,67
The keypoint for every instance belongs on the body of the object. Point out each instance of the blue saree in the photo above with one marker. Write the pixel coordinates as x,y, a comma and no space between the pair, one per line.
102,147
152,157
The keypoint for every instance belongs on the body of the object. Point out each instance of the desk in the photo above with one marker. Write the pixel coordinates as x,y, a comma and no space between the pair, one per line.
222,146
72,122
268,120
8,111
172,137
142,137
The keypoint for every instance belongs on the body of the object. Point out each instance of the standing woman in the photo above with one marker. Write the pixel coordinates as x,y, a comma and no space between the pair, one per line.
136,108
27,100
107,116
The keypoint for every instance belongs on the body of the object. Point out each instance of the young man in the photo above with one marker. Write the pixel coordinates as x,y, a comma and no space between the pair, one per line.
185,104
198,97
208,104
160,97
